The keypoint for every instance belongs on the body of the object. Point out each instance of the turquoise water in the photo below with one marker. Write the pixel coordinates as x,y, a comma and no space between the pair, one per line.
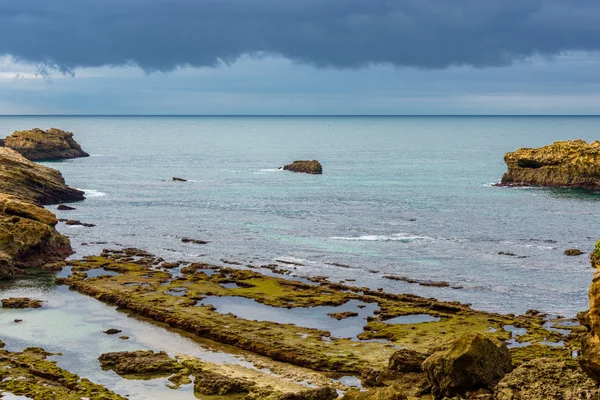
404,196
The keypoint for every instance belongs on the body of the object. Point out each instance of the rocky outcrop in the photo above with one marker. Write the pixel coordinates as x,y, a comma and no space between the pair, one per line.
589,359
21,302
573,163
308,167
470,362
33,182
27,237
406,360
140,362
52,144
545,378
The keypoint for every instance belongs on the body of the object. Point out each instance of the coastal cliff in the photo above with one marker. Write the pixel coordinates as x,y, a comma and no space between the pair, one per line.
572,163
52,144
590,346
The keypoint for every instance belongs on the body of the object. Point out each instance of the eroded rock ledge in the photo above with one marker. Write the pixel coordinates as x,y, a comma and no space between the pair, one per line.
52,144
572,163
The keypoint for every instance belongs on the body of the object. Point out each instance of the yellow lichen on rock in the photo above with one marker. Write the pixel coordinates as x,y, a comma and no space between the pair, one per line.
572,163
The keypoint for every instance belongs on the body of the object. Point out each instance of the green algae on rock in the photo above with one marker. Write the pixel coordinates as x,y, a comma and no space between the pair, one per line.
304,166
29,374
140,363
21,302
52,144
572,163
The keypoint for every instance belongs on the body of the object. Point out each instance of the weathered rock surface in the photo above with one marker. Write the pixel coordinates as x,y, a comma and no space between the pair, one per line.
33,182
572,163
140,362
21,302
210,383
545,378
589,359
573,252
595,256
406,360
52,144
470,362
324,393
386,393
27,237
308,167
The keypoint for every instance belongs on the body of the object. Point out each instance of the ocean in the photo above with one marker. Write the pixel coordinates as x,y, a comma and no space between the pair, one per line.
400,196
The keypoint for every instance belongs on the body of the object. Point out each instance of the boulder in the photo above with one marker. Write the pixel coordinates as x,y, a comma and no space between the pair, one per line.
308,167
572,163
406,360
468,363
52,144
545,378
140,362
33,182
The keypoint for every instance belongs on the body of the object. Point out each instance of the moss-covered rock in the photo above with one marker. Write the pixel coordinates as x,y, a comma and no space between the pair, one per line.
595,255
52,144
140,362
308,167
406,360
572,163
546,378
324,393
21,302
469,362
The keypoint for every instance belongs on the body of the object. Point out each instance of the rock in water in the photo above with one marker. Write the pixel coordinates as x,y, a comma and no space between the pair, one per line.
21,302
308,167
545,378
176,179
37,144
139,362
573,163
470,362
573,252
33,182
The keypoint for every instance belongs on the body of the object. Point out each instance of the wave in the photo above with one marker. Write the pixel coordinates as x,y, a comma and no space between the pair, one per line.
92,193
271,169
398,237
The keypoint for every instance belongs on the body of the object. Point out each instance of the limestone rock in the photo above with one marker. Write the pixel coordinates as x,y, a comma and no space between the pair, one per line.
545,378
308,167
33,182
140,362
572,163
52,144
470,362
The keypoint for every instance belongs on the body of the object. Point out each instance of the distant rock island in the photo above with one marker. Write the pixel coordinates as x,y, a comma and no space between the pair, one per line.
308,167
52,144
572,163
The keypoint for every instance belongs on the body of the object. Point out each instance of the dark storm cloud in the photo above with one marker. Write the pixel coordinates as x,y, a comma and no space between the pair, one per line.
163,34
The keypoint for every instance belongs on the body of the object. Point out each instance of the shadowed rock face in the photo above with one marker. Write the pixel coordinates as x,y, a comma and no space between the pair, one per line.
33,182
37,144
308,167
572,163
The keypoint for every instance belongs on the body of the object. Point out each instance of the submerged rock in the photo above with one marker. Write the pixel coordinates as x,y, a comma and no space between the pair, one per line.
308,167
545,378
139,362
343,315
470,362
572,163
21,302
52,144
195,241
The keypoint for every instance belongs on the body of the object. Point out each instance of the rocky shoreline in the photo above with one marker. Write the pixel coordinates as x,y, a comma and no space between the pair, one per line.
402,346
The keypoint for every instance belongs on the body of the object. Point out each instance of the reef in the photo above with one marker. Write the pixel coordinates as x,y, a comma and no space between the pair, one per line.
181,300
572,163
21,302
30,374
52,144
307,167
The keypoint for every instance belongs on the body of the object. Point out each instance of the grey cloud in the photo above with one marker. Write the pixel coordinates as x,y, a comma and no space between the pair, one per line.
164,34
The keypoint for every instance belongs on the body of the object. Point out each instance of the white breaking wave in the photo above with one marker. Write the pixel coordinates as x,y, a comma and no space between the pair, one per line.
398,237
92,193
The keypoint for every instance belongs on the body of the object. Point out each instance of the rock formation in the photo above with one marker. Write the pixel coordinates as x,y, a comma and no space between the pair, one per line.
573,163
37,144
33,182
470,362
308,167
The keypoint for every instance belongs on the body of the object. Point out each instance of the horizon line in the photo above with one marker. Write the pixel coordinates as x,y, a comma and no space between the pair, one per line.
299,115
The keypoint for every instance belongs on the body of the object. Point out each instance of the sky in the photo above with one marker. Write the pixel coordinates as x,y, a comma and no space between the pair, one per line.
300,57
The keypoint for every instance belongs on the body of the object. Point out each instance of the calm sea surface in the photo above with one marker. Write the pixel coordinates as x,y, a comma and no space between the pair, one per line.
403,196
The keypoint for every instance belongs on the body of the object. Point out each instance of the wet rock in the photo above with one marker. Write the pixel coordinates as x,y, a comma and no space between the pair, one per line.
209,383
387,393
63,207
545,378
572,163
75,222
7,268
179,179
139,362
195,241
343,315
112,331
324,393
507,253
406,360
17,321
573,252
123,337
52,144
54,266
21,302
307,167
470,362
